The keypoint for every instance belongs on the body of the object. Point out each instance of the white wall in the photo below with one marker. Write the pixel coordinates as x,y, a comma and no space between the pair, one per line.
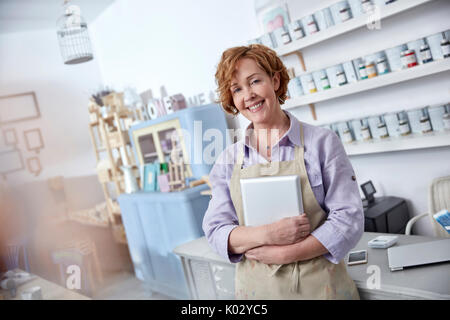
178,44
31,61
405,174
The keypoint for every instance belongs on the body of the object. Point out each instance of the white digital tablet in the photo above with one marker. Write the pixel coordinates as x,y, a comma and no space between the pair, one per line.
269,199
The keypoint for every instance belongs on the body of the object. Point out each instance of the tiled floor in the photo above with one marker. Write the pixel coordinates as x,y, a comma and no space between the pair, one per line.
125,286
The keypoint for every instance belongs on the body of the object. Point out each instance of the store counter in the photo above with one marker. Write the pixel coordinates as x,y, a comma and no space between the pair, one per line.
209,276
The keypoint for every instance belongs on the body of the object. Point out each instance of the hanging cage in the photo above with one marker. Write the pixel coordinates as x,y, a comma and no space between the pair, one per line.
73,37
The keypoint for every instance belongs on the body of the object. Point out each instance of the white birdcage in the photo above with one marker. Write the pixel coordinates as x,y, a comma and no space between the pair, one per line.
73,36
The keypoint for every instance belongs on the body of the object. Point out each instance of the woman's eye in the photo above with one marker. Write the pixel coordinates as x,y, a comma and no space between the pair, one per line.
235,90
254,81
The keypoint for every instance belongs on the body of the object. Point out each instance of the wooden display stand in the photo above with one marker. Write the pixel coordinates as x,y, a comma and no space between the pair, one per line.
108,129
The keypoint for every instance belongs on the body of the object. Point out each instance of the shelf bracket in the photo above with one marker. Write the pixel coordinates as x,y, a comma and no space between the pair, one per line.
299,55
312,108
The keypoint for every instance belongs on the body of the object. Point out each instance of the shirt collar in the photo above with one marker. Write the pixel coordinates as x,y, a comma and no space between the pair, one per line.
291,136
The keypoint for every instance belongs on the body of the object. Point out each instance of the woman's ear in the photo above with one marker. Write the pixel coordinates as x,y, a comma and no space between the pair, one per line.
276,81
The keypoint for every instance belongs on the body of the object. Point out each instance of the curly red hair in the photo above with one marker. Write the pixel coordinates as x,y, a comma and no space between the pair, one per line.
264,57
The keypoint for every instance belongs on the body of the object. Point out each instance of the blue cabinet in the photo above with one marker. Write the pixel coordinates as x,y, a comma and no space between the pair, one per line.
155,223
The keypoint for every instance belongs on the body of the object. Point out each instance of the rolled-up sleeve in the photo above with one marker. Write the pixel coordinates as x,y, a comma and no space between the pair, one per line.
220,217
344,225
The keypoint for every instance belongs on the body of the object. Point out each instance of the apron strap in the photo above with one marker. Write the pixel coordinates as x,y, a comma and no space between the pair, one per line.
240,157
302,140
299,151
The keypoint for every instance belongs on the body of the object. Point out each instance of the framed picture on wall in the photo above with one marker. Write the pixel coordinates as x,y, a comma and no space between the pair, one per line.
18,107
10,137
273,17
11,161
34,165
33,140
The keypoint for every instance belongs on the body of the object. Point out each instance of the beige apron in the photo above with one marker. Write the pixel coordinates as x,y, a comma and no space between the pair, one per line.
317,278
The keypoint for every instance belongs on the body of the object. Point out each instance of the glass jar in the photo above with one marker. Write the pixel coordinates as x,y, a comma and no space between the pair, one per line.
445,47
408,59
362,71
325,82
312,86
370,70
425,54
345,14
382,129
341,78
312,25
382,66
297,30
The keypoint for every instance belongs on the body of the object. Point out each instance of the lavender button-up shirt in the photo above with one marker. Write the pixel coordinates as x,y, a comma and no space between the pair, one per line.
331,177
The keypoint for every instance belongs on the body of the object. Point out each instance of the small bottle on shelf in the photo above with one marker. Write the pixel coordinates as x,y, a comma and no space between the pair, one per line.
365,131
425,54
382,66
366,5
312,25
312,86
347,134
382,129
446,117
297,30
370,70
403,125
408,59
285,36
425,124
325,82
445,47
345,14
362,71
341,78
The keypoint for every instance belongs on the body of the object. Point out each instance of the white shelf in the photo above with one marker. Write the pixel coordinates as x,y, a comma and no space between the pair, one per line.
409,142
419,71
347,26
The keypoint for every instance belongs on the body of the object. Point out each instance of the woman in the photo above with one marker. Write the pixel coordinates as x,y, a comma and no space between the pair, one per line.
293,258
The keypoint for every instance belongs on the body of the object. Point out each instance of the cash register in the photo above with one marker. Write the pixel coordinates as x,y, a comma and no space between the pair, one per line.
383,214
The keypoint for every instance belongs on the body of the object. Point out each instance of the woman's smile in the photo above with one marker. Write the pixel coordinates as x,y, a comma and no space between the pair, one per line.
255,107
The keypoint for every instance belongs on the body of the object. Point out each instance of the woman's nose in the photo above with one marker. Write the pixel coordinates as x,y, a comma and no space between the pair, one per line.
249,94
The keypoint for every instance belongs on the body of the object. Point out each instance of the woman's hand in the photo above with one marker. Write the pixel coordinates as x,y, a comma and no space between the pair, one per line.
267,254
288,230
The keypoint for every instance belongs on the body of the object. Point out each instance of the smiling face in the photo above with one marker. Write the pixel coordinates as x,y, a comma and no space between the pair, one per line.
253,92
